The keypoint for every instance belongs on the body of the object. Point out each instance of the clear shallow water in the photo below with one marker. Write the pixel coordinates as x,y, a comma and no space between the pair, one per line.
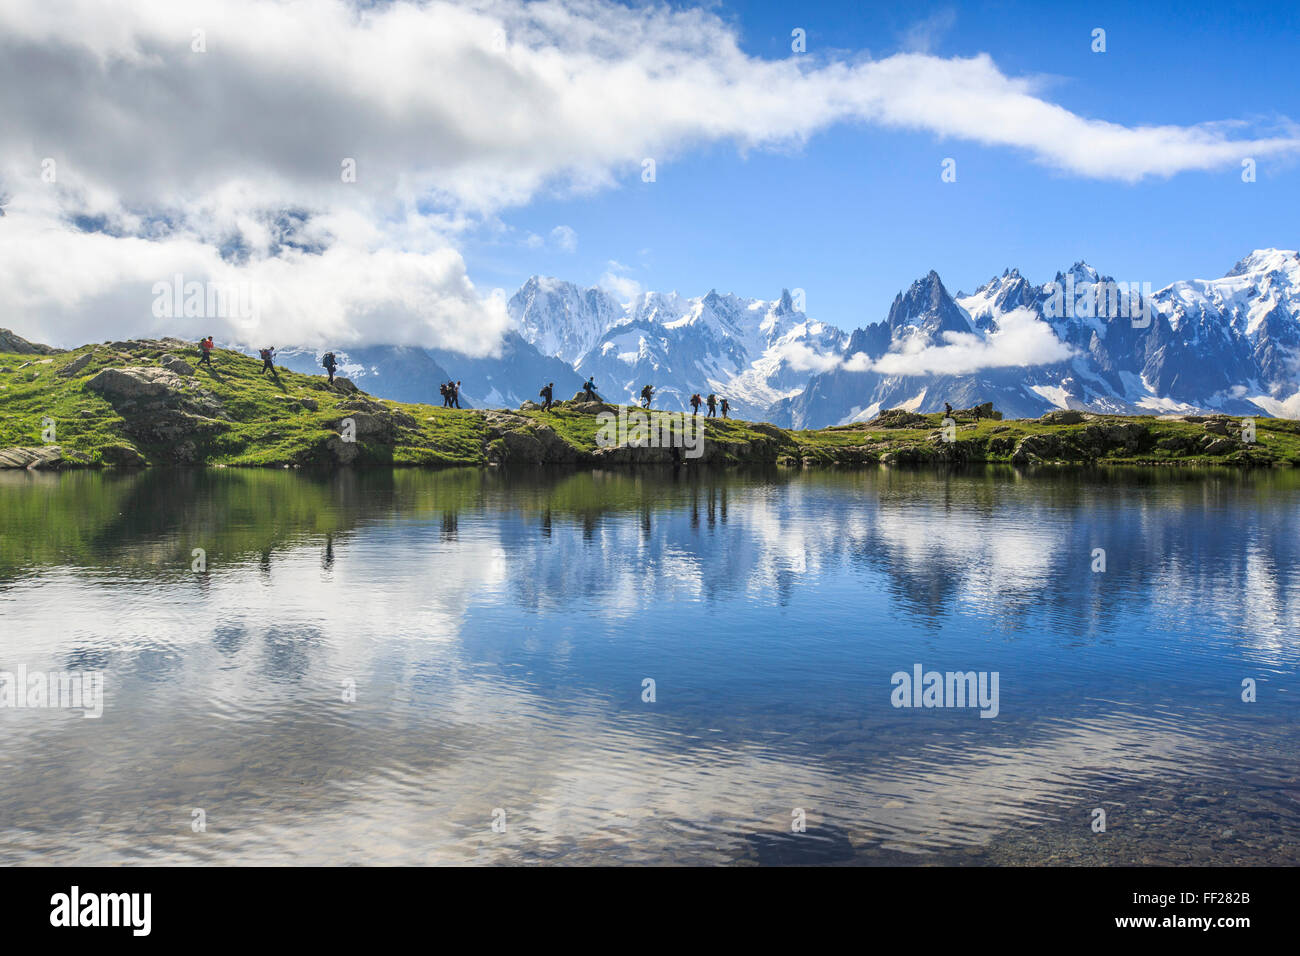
498,628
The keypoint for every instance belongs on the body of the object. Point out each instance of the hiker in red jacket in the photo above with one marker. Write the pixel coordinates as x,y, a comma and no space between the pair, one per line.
205,346
267,356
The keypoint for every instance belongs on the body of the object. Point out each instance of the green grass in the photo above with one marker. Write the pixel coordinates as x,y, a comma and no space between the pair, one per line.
268,425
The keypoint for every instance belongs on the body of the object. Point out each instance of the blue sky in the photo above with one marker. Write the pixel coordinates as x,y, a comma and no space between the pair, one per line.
859,211
372,172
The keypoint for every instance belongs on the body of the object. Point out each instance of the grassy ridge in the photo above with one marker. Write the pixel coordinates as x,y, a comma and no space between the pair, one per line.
293,419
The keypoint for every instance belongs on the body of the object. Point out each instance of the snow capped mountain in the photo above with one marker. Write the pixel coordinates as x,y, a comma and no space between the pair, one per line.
510,378
1080,340
402,373
752,351
560,319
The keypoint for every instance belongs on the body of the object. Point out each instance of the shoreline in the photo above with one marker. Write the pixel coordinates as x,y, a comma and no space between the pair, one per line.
148,404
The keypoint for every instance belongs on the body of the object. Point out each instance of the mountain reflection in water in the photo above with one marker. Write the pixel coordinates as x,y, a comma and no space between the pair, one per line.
498,627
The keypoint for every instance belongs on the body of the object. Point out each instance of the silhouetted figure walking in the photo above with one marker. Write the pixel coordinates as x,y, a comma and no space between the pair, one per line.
726,407
455,395
330,364
695,403
947,410
267,356
647,393
712,402
547,393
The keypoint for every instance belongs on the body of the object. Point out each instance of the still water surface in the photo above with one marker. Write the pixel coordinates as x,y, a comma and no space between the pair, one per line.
498,630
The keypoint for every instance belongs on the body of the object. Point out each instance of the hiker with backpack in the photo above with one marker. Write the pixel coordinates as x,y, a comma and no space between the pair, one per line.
726,407
205,347
547,392
267,356
695,403
590,388
712,402
446,397
455,394
330,364
647,393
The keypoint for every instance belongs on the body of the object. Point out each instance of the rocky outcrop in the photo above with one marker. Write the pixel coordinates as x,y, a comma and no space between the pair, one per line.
1033,449
134,382
161,407
122,456
16,344
1092,442
511,438
1062,416
1102,438
899,418
76,365
176,364
42,458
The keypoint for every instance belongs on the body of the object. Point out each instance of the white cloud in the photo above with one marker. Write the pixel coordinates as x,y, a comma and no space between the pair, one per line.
923,35
616,280
192,150
802,357
1021,340
565,237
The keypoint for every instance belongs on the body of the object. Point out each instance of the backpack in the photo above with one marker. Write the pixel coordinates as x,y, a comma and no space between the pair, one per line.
328,360
542,393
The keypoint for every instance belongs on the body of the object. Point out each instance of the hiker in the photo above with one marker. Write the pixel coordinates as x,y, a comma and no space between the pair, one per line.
455,394
446,398
205,346
712,402
647,392
330,364
695,403
267,356
548,390
976,410
726,407
947,410
590,388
